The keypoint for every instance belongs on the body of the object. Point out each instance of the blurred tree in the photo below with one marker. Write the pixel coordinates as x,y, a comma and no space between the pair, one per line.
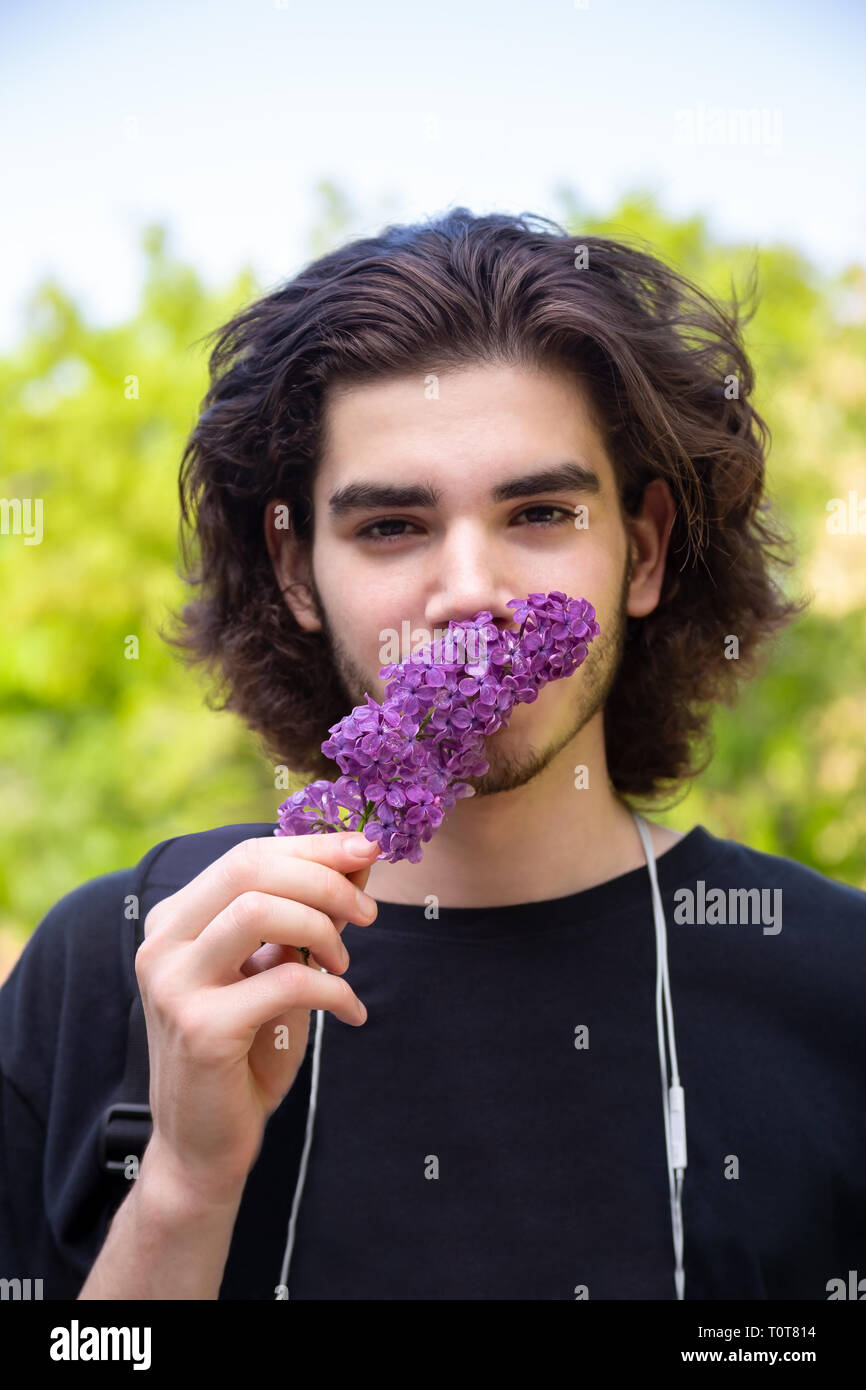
106,749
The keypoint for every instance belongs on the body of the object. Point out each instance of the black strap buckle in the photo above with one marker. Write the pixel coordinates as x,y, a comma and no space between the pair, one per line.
126,1129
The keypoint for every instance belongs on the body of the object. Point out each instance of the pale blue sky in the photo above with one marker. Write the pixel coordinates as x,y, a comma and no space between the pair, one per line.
218,118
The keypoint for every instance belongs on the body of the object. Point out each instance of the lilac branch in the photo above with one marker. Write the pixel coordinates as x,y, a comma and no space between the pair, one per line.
402,762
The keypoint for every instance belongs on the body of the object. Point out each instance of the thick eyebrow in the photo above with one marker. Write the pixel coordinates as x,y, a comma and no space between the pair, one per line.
365,496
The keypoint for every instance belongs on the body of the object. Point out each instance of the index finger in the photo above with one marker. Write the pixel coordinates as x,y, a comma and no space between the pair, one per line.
359,878
199,901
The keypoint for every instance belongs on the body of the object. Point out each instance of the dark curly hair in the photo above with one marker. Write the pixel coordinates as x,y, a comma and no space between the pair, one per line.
669,386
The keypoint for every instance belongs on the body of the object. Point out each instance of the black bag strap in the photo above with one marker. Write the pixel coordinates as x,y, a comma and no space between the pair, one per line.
127,1123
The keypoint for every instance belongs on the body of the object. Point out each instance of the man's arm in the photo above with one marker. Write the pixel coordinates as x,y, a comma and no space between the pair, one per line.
165,1241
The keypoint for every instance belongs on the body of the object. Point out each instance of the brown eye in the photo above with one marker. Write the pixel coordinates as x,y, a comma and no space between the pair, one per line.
367,532
562,515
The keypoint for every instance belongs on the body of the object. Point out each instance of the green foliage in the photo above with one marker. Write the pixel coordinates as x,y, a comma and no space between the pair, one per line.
103,754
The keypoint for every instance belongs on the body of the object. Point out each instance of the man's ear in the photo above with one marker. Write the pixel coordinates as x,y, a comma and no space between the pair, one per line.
648,534
292,565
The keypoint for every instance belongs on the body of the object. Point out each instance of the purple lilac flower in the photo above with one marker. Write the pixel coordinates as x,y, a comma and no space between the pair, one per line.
402,761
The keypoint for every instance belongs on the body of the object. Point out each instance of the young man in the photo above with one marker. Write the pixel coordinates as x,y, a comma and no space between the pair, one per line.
419,427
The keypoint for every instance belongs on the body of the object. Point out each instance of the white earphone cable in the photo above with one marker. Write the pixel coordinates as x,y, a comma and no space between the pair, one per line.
308,1139
673,1100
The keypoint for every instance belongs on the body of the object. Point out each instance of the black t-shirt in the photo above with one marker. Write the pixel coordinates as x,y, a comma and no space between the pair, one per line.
495,1129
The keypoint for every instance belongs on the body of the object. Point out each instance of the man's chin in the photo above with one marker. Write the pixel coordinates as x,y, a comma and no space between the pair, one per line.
508,769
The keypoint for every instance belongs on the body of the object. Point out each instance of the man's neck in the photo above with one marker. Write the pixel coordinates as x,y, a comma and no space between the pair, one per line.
545,839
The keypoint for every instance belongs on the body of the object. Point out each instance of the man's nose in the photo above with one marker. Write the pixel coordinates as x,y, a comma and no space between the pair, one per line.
468,582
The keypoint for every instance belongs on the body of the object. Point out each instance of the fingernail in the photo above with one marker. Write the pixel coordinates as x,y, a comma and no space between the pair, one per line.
358,845
366,904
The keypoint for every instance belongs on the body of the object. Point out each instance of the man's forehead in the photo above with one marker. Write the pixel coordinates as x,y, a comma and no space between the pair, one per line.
463,391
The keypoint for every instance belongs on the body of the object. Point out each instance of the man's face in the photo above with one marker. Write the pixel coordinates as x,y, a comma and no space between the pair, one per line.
426,560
